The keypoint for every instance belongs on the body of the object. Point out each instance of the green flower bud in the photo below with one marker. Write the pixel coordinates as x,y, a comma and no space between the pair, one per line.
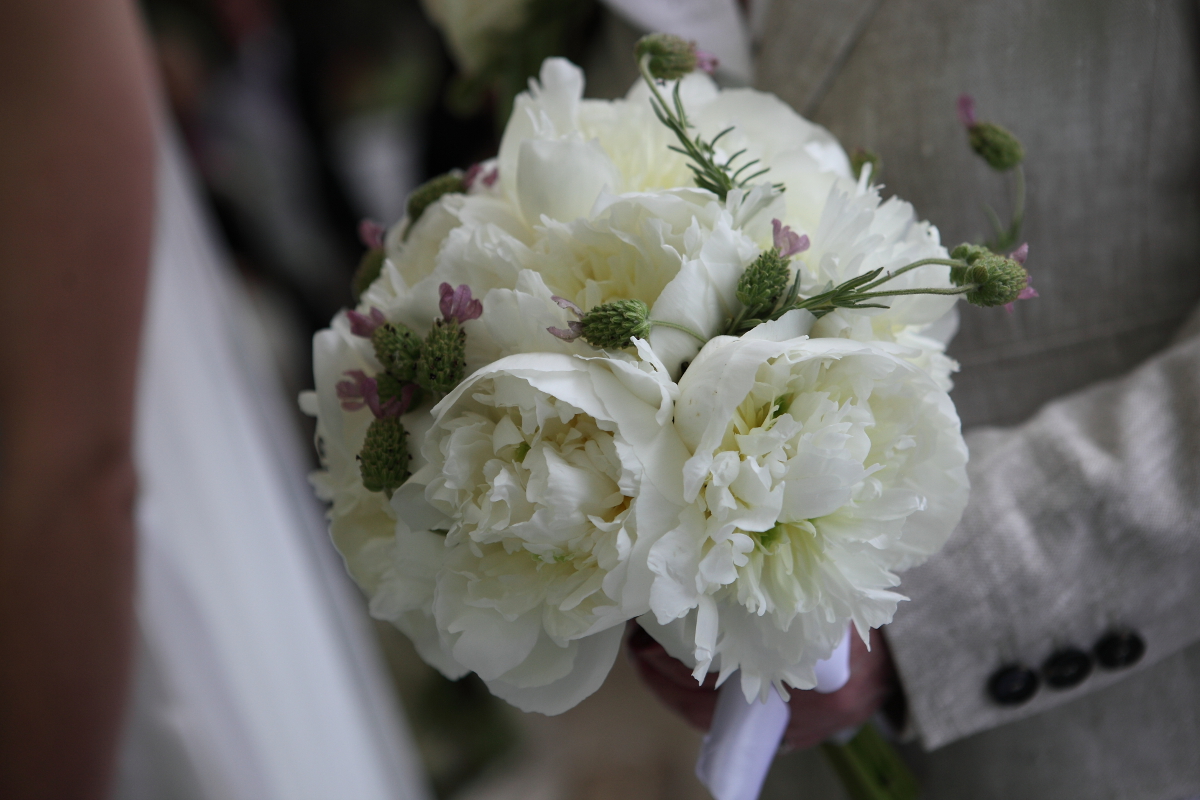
670,57
763,282
398,349
430,192
369,267
969,252
999,280
442,362
972,272
860,158
383,462
613,324
995,145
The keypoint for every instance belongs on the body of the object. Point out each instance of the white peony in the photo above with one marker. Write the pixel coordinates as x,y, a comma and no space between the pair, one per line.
679,251
820,468
523,541
554,472
621,147
857,233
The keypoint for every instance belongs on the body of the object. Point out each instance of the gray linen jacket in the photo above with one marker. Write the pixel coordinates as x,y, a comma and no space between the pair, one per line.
1085,508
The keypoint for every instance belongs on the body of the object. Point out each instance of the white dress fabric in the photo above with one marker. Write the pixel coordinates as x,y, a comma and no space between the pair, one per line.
258,677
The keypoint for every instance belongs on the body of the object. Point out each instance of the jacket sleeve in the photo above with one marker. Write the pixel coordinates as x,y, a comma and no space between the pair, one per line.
1083,521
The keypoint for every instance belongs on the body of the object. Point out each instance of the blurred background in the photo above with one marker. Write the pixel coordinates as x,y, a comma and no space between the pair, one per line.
302,118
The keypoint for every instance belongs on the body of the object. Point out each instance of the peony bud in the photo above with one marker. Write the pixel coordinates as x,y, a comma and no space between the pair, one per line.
383,462
442,362
999,280
763,283
430,192
969,253
613,324
398,349
669,57
994,144
998,147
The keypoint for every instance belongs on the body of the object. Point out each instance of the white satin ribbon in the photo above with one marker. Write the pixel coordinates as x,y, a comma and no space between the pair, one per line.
744,738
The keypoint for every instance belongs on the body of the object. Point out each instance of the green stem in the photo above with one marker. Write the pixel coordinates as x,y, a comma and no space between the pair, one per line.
870,768
970,287
1014,232
1007,238
644,68
702,340
922,263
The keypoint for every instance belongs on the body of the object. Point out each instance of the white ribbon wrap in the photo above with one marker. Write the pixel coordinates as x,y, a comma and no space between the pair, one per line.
744,738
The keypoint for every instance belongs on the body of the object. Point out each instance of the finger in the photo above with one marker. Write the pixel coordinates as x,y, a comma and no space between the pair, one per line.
816,717
645,650
694,704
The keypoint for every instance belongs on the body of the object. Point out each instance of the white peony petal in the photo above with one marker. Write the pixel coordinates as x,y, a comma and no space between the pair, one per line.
593,660
719,378
541,189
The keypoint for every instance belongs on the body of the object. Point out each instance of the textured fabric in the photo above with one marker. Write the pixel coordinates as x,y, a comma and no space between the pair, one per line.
1104,95
1083,516
258,677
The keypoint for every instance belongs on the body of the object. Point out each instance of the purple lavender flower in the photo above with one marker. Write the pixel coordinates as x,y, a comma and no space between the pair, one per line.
787,241
371,234
564,303
457,304
572,332
476,173
365,324
706,61
1028,293
574,328
966,110
360,391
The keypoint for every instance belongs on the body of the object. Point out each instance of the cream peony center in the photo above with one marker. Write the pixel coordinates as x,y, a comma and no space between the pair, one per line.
540,520
591,264
812,445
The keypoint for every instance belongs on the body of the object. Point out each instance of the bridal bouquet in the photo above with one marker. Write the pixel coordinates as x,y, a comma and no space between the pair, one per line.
664,358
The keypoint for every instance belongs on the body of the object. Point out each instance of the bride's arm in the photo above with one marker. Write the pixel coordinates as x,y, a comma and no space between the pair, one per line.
76,207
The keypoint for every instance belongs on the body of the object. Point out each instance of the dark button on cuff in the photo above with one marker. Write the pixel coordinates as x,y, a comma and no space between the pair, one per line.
1012,685
1119,649
1066,668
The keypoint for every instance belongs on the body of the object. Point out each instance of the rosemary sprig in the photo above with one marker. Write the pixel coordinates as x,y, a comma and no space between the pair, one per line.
720,178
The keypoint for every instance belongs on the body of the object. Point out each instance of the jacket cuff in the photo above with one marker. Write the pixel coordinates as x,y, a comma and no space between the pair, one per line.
1081,526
